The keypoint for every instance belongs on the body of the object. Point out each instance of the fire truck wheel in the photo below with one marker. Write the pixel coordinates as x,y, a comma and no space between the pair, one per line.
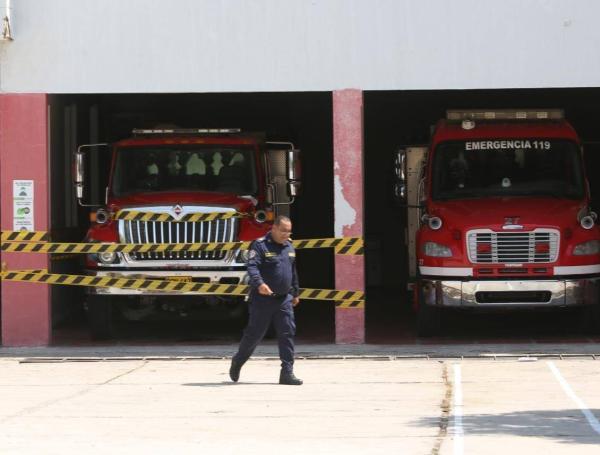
429,321
100,317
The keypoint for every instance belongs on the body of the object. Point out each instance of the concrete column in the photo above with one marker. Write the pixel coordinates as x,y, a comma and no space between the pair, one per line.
24,156
348,206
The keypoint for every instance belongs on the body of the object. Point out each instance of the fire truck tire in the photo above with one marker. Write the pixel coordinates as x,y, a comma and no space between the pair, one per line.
100,317
429,321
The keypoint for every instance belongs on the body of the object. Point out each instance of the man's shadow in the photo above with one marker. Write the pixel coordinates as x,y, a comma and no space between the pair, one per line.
227,384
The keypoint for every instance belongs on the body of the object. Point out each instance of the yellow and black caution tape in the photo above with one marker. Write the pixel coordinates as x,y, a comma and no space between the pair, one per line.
344,299
86,248
25,236
131,215
344,245
350,304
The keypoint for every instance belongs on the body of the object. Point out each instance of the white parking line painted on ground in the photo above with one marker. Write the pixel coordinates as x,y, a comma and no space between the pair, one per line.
591,418
457,411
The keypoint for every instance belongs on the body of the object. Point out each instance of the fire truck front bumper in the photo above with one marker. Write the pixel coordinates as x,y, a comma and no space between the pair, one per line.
510,293
191,276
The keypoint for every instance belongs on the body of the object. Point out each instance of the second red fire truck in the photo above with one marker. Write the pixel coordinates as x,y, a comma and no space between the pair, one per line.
499,216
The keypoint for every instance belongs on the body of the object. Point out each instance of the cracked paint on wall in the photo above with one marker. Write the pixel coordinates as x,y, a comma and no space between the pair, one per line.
348,206
345,215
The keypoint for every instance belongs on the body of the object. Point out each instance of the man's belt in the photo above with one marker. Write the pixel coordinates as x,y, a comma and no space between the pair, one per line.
274,295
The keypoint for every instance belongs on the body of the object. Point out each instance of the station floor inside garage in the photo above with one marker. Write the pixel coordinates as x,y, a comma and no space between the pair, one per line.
386,324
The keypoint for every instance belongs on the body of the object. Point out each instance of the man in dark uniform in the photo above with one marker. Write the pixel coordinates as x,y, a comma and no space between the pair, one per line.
274,293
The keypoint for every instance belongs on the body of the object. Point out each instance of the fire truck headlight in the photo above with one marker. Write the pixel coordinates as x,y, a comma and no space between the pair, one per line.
587,222
436,250
434,222
587,248
260,216
102,216
107,258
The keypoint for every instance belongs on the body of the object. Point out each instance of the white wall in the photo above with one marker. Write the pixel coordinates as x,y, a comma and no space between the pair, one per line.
124,46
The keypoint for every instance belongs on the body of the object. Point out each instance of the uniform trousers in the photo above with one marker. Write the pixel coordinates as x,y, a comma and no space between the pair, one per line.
262,311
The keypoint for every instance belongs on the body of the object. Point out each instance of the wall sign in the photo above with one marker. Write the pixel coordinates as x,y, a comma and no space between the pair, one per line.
23,205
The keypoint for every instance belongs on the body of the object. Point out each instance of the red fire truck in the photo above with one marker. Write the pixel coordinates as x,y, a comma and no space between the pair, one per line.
181,172
499,216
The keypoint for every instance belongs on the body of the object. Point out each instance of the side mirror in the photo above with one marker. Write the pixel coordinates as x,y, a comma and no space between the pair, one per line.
293,189
294,169
400,192
400,188
283,173
294,173
79,173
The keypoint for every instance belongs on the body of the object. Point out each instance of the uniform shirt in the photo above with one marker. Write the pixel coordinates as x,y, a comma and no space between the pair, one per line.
273,264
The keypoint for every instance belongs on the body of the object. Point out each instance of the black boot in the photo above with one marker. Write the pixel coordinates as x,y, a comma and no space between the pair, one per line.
234,370
288,378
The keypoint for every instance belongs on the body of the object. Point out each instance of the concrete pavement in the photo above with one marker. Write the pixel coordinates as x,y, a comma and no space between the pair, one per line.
355,405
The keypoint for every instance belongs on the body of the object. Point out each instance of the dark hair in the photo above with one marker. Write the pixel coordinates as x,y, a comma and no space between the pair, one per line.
281,218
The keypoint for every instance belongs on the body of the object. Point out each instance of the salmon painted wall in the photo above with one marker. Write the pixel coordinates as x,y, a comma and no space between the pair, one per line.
348,206
26,315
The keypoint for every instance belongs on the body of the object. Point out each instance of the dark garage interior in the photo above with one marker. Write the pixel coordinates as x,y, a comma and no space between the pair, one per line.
392,119
302,118
396,119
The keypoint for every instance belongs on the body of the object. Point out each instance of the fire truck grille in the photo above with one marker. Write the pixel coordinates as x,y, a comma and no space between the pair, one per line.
183,232
489,247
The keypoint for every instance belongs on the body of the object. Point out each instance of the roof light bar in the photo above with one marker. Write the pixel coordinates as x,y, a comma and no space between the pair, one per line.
505,114
186,131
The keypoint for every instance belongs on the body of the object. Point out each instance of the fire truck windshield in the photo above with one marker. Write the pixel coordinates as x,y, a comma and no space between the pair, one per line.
224,169
507,167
